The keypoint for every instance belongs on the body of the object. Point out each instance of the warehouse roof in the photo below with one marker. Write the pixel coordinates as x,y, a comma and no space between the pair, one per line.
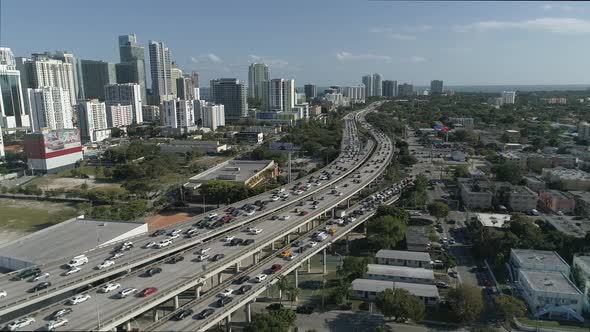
368,285
405,255
400,271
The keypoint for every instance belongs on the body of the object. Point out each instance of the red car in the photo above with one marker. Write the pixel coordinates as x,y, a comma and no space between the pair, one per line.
226,218
304,213
275,268
148,291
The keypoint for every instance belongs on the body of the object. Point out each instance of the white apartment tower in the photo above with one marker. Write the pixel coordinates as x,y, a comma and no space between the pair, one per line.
257,76
508,97
50,108
211,115
121,115
12,108
125,94
178,113
356,94
281,95
43,71
92,120
368,82
161,69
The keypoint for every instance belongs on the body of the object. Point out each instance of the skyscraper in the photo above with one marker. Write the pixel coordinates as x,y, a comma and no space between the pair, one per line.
368,82
50,108
436,87
405,90
12,108
257,76
389,88
92,120
356,94
508,97
69,58
95,76
231,93
161,70
124,94
120,115
178,113
210,115
281,95
377,88
43,70
185,88
132,66
310,91
175,73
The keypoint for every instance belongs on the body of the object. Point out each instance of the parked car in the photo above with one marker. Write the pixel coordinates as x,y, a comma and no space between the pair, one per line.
274,306
305,309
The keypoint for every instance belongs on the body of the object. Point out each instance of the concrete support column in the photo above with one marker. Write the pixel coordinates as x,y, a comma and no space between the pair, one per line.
249,312
128,326
272,246
219,278
228,323
348,203
237,267
212,281
308,265
176,304
255,258
325,260
333,212
287,239
155,315
198,292
347,248
307,226
296,271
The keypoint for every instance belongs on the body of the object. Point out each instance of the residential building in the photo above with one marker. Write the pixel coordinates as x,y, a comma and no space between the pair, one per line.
41,70
178,146
416,275
302,111
249,137
71,59
175,74
377,85
52,151
436,87
535,183
404,258
356,94
405,90
311,91
92,121
465,122
389,88
95,76
50,108
536,260
367,289
568,179
315,110
417,238
475,194
186,88
368,82
266,130
556,200
2,153
522,198
280,95
584,131
493,220
161,70
508,97
150,113
258,76
582,264
582,199
231,93
120,115
125,94
12,106
563,160
211,115
178,113
132,66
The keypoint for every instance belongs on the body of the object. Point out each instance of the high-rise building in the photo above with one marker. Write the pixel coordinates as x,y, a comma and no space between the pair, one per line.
161,69
356,94
178,113
132,66
50,108
43,70
1,144
95,75
377,88
12,107
175,74
124,94
310,90
120,115
405,90
231,93
389,88
281,95
368,82
210,115
186,88
92,121
71,59
151,113
508,97
436,87
258,75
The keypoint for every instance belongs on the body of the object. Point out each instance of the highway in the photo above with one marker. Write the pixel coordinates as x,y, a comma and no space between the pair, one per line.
189,270
18,296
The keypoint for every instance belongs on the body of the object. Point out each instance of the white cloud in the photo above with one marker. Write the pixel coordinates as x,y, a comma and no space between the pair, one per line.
343,56
417,58
206,58
561,7
418,28
550,24
391,33
271,62
214,58
456,49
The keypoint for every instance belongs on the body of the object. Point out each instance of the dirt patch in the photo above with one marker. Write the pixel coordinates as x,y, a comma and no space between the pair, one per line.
23,216
51,183
165,219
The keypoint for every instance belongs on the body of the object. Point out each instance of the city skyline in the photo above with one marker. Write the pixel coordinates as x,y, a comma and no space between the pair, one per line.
461,43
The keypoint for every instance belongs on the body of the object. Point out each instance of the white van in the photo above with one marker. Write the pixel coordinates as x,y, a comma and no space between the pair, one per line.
78,261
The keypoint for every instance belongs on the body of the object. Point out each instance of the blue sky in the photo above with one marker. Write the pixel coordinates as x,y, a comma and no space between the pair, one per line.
324,41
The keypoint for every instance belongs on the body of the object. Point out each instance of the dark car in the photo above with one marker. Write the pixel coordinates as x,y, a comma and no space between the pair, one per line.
275,268
175,259
236,241
40,286
217,257
224,300
304,309
159,232
27,273
274,306
244,289
153,271
60,313
182,314
205,313
242,280
248,242
297,243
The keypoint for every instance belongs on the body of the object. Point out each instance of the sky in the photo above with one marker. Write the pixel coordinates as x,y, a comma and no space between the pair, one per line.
323,41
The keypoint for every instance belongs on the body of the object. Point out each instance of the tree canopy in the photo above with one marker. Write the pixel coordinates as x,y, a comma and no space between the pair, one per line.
400,304
466,302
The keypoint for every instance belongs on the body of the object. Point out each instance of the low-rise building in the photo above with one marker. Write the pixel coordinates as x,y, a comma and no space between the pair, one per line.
184,146
250,137
568,179
536,260
569,225
522,198
414,275
417,238
465,122
582,199
404,258
582,264
556,200
367,289
262,129
494,220
475,194
535,183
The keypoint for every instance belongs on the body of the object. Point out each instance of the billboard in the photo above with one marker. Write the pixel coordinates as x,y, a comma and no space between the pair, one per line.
61,139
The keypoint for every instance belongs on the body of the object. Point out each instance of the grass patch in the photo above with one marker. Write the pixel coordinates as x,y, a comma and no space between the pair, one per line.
561,326
18,218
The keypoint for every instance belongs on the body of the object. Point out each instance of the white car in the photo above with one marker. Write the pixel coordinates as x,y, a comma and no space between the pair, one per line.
175,232
260,278
116,255
275,198
164,243
228,238
313,244
105,264
54,324
212,215
127,291
226,292
292,256
285,195
298,192
20,323
285,217
150,244
249,212
43,275
108,287
79,299
3,294
73,270
202,258
173,236
255,231
128,244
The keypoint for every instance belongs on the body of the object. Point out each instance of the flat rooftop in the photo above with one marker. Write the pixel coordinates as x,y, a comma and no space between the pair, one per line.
406,255
535,257
569,225
417,235
369,285
492,219
400,271
232,170
551,282
69,238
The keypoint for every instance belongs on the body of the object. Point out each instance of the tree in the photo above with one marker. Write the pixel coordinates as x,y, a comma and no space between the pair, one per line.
341,292
294,294
216,190
439,210
400,304
266,323
385,232
466,302
507,171
461,171
108,173
508,307
353,267
282,285
287,316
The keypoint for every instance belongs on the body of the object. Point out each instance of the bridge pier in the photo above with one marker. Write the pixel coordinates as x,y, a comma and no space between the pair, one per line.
176,304
308,265
347,248
197,292
348,203
296,272
237,267
155,315
249,312
272,246
219,278
128,326
325,260
228,323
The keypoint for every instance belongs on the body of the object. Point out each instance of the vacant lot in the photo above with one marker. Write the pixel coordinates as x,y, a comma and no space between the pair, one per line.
52,182
23,216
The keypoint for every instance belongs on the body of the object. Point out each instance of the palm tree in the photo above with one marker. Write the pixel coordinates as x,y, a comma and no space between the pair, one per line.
283,285
294,295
